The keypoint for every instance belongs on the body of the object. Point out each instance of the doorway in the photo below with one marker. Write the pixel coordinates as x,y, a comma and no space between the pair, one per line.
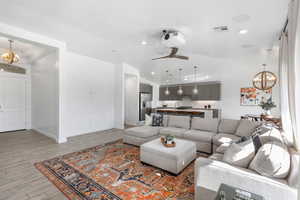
13,103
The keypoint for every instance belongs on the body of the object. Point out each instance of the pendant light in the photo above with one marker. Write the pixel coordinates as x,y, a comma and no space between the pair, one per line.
180,91
167,91
10,57
264,80
195,90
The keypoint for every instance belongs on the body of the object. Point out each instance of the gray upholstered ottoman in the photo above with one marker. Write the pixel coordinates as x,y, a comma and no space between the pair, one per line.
170,159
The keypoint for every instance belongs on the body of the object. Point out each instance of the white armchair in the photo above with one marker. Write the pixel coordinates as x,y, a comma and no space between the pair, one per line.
209,174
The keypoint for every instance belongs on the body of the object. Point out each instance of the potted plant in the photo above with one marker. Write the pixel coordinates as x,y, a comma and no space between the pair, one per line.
169,139
267,106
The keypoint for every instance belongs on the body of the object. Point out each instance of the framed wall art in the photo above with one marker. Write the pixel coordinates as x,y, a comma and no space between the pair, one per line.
251,96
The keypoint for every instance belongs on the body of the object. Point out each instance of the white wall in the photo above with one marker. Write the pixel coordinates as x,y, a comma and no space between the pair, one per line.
240,74
122,69
45,95
131,99
119,97
87,94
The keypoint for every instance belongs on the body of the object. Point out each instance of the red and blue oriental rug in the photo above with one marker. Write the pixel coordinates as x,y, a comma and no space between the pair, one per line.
113,172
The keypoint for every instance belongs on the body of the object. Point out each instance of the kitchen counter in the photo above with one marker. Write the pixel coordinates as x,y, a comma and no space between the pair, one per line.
181,111
205,113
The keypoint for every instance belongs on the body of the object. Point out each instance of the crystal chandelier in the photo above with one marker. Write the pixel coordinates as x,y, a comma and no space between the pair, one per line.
10,57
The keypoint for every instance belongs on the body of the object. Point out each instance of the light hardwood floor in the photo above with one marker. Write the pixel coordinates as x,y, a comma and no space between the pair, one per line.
19,180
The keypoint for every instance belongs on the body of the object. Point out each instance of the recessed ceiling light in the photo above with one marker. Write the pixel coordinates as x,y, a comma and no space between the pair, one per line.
152,73
144,42
243,31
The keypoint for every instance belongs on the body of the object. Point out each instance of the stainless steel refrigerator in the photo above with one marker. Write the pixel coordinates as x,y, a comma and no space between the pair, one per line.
145,104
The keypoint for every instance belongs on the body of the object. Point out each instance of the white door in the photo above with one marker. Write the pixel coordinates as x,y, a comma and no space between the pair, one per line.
12,104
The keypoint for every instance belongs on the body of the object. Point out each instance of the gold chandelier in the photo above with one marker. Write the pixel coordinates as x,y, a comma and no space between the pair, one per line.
264,80
10,57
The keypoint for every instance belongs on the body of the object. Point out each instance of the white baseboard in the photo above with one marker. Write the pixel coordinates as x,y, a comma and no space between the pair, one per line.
58,139
61,140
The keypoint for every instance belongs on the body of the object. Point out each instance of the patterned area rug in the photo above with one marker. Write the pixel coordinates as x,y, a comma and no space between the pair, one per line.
113,171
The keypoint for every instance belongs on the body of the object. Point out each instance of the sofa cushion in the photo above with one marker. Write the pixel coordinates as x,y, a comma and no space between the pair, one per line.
270,134
143,131
223,147
165,120
179,121
228,126
216,156
177,132
240,154
246,128
222,138
272,160
205,124
203,136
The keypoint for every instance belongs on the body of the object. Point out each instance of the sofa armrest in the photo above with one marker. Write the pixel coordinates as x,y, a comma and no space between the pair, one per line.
210,174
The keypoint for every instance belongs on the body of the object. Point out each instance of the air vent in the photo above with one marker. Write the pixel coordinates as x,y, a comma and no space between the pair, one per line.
221,28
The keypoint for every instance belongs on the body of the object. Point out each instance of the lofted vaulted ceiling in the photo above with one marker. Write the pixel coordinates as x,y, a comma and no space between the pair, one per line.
113,30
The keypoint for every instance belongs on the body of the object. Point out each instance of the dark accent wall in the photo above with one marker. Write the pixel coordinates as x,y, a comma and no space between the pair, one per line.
207,91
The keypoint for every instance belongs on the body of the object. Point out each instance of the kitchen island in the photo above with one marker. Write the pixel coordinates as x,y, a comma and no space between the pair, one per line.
197,112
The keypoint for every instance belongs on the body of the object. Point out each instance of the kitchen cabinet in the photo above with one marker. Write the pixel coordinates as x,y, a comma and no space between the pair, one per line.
173,96
209,91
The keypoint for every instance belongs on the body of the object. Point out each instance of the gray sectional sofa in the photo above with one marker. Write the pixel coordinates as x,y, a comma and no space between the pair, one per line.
216,137
213,171
208,134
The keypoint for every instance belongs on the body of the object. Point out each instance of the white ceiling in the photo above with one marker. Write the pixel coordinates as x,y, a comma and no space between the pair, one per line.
112,30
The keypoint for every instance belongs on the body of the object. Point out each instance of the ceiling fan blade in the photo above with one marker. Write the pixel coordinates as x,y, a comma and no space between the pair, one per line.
181,57
161,57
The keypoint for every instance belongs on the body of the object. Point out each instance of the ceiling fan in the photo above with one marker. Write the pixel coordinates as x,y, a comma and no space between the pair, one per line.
173,54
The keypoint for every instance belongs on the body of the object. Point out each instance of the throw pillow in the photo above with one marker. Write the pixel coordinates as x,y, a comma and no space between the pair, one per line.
240,154
223,147
246,128
157,120
256,142
148,120
272,160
